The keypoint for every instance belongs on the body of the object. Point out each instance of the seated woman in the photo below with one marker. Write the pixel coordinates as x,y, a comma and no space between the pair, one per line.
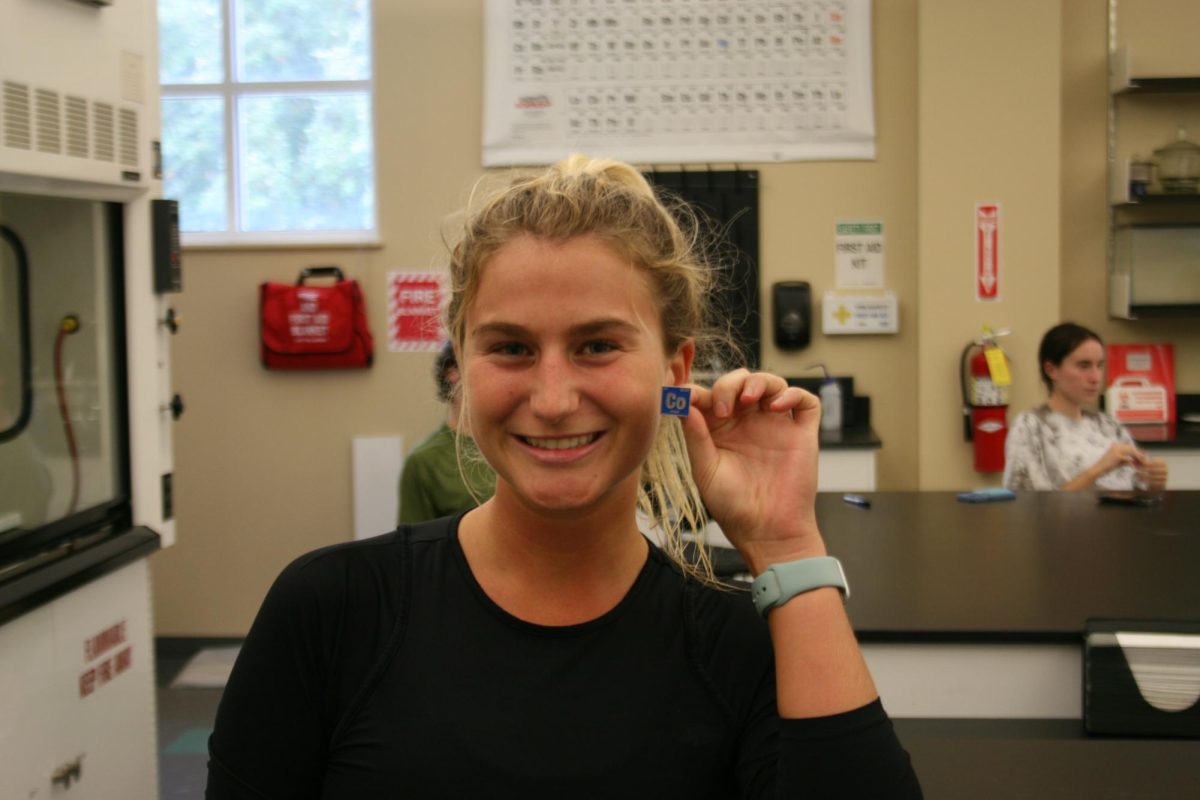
1065,443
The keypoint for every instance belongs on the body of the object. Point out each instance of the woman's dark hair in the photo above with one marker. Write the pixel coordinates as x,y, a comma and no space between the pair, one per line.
1058,343
441,372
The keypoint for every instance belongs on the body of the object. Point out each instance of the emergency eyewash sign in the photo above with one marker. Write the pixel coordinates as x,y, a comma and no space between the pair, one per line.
415,302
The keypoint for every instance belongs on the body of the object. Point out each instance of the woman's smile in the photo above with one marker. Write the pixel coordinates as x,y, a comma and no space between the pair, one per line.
560,452
560,442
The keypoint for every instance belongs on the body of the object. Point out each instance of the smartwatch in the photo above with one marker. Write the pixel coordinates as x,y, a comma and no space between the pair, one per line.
781,582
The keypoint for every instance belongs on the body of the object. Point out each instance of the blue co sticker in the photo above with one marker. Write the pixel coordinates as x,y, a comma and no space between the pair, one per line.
676,400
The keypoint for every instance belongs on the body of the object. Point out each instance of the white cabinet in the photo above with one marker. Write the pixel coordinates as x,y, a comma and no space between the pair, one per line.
846,470
77,694
1183,466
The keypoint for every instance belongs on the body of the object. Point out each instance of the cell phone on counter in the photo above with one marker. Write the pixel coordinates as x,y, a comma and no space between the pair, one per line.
1138,499
991,494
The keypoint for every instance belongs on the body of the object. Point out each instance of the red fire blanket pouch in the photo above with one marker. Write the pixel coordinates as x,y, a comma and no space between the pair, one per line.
314,327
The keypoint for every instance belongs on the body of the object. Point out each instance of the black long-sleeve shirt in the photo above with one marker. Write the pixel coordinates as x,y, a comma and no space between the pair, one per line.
380,668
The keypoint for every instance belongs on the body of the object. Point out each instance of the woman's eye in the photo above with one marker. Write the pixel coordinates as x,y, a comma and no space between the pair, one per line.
598,348
510,349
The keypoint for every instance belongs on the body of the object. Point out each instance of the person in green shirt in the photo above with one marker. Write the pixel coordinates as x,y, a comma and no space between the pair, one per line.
431,483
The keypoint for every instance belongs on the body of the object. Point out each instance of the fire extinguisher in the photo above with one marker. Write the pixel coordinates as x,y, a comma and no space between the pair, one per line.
985,385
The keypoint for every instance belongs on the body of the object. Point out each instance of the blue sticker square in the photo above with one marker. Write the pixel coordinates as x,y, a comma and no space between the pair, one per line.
676,400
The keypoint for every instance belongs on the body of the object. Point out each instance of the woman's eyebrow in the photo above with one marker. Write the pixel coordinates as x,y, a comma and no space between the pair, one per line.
605,325
588,328
498,328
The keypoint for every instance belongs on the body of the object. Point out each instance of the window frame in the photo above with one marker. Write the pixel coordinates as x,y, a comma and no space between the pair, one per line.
229,91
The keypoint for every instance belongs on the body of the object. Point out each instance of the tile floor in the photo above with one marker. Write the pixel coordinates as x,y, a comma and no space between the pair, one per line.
185,718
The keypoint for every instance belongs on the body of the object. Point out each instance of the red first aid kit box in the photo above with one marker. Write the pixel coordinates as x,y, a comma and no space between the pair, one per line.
1141,383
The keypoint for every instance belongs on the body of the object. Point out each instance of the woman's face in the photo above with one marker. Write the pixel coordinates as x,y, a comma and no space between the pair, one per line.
1080,376
564,363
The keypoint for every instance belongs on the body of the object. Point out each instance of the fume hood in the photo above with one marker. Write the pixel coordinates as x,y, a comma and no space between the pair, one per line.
85,409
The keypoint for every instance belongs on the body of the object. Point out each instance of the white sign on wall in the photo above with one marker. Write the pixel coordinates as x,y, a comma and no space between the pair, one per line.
878,312
687,81
859,251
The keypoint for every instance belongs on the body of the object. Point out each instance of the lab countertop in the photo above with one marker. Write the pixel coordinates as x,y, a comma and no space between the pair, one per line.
923,566
1180,436
926,568
47,574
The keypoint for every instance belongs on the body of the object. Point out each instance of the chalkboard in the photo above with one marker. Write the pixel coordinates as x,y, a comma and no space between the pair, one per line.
729,201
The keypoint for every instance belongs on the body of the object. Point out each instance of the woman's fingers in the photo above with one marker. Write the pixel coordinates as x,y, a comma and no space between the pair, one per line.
742,389
792,399
726,391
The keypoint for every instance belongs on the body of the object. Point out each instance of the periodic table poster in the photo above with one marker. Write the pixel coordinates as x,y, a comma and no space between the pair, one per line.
678,81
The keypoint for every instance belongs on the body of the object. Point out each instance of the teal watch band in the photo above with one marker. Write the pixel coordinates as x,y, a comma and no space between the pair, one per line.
781,582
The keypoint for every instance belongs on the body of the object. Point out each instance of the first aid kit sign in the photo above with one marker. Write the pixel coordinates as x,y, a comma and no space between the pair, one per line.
987,251
415,301
859,248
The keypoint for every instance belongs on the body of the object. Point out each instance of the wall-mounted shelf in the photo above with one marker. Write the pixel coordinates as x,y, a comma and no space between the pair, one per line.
1185,85
1153,253
1157,267
1156,200
1121,79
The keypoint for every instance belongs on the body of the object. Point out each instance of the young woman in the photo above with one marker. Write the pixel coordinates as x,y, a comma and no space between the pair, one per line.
539,645
1065,443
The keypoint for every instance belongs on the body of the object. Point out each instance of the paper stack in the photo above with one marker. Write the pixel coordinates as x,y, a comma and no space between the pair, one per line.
1142,678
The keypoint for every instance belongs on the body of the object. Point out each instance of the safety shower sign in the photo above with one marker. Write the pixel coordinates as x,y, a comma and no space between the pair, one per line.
987,251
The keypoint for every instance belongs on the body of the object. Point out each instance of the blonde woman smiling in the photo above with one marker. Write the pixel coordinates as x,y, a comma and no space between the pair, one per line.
539,645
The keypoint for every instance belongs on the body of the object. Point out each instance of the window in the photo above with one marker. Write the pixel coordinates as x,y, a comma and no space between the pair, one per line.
267,119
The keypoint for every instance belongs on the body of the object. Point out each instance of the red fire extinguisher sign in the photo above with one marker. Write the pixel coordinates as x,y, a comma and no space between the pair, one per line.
987,251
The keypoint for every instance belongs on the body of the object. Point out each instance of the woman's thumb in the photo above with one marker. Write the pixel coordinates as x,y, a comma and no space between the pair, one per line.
701,450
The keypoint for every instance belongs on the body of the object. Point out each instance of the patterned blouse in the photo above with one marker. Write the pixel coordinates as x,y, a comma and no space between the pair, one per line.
1045,449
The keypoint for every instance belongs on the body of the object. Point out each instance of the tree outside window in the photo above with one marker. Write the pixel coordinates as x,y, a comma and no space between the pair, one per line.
267,119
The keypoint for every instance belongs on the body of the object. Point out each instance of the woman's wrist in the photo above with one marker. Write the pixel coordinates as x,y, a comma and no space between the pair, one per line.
761,554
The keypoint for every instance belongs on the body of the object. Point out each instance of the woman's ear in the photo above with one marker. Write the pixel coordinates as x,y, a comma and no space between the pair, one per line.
1050,370
679,367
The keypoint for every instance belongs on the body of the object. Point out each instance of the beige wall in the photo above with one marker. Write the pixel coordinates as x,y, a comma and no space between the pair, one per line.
989,133
263,459
800,205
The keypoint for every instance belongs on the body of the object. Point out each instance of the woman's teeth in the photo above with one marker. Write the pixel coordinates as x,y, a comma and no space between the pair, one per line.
561,444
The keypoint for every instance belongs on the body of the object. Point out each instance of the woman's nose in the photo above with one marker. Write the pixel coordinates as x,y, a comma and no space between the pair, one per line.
554,394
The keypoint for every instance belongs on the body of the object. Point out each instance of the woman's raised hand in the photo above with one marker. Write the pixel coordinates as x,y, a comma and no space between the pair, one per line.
1119,454
1153,474
752,441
